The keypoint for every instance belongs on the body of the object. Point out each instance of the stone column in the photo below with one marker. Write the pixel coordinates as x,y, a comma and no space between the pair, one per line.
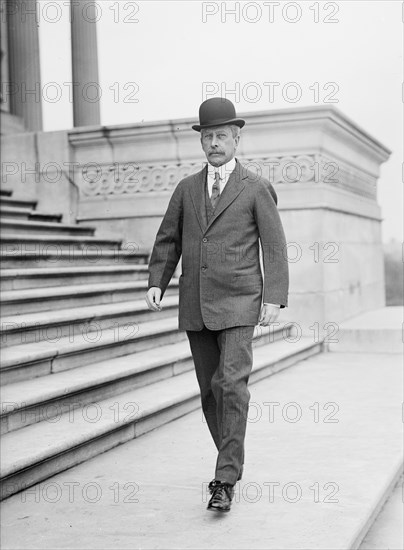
86,89
4,98
24,68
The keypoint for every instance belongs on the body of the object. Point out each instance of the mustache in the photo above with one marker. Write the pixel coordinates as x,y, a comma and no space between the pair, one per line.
215,152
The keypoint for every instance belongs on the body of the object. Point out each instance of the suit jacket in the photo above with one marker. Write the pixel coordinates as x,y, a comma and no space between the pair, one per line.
221,284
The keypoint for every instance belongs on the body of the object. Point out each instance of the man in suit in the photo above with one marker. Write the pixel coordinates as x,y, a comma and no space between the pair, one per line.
217,219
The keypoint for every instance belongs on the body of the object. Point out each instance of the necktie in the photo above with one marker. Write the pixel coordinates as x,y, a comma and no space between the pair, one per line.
215,190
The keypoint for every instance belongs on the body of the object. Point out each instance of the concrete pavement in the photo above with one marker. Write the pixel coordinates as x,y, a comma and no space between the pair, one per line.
323,444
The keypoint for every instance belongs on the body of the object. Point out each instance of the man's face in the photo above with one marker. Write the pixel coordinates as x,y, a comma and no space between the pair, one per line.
219,144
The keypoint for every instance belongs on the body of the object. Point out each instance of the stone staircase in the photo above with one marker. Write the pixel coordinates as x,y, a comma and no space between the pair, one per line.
85,365
152,492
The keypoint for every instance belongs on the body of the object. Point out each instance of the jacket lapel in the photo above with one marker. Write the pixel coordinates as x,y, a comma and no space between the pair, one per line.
197,190
233,188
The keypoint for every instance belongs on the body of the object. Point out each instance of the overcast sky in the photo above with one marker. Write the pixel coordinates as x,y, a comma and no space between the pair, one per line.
156,59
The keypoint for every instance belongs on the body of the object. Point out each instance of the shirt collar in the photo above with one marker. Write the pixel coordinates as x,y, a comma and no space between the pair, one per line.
224,171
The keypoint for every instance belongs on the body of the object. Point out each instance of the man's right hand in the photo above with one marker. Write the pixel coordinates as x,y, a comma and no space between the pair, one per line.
153,298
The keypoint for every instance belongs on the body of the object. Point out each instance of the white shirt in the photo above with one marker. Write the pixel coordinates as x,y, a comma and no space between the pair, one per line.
224,173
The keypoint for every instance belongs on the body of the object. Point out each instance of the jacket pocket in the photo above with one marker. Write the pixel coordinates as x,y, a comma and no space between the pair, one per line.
254,280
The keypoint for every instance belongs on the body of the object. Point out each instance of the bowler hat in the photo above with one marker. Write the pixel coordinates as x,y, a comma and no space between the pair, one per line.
217,111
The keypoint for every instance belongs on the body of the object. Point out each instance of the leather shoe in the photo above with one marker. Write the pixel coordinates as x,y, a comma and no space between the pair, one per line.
240,475
222,495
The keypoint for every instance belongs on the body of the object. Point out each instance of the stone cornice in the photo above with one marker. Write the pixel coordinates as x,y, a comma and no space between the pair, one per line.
330,113
316,114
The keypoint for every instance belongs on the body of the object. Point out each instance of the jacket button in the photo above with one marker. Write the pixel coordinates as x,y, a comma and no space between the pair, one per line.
205,240
203,267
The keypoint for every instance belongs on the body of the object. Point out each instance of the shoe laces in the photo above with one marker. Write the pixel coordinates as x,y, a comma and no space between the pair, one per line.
218,489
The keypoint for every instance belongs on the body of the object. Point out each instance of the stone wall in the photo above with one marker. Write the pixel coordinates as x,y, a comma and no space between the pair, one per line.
37,166
323,166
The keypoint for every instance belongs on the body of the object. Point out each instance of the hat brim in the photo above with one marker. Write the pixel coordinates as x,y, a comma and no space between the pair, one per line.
237,121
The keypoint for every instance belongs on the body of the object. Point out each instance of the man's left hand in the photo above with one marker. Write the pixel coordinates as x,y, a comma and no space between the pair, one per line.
269,314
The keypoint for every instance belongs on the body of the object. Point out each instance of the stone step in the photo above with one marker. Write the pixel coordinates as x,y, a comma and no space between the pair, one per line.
56,256
307,484
27,361
85,432
41,216
14,243
51,395
59,297
80,322
45,398
44,277
14,212
387,530
375,331
36,227
24,213
27,214
19,203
